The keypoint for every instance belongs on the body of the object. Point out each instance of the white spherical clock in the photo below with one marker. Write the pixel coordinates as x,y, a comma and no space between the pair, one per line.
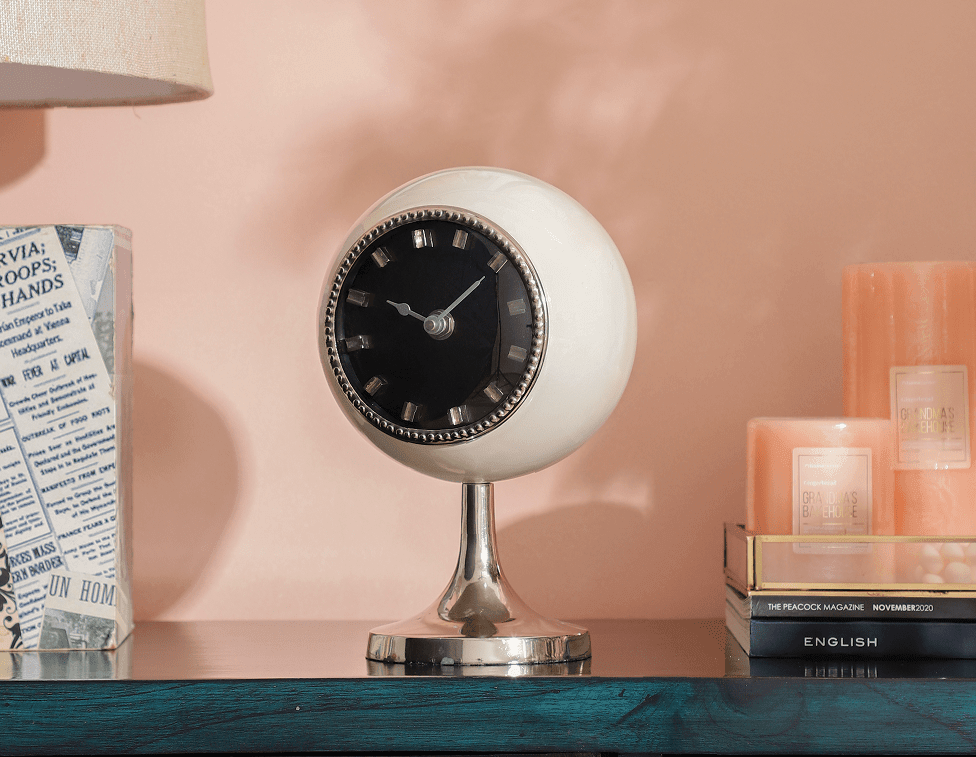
479,324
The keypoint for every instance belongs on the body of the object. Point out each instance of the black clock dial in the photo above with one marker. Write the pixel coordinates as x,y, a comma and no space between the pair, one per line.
436,325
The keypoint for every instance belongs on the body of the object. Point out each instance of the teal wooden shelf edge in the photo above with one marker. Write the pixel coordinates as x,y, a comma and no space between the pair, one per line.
212,688
484,715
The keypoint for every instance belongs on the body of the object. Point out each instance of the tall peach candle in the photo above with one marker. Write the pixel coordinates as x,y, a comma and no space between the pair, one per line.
821,476
910,355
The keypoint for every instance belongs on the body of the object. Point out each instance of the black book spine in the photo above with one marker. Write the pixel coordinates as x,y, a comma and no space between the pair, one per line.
862,638
854,607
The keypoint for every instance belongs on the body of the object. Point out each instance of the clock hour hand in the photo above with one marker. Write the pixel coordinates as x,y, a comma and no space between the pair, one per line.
404,309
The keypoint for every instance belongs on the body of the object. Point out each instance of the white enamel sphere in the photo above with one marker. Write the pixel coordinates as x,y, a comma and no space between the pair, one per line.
592,324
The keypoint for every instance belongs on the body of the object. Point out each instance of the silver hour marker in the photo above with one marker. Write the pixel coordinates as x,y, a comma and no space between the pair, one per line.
463,240
517,353
493,393
361,342
359,297
423,238
374,385
516,307
382,256
497,262
458,415
409,411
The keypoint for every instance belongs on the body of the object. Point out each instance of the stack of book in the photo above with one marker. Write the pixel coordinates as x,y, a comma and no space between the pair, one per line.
771,616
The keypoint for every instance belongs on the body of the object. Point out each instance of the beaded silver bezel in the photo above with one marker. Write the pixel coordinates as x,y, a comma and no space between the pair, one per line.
533,288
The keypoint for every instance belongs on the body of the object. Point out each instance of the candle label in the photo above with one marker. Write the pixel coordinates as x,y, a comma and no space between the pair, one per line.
930,409
79,611
831,496
9,622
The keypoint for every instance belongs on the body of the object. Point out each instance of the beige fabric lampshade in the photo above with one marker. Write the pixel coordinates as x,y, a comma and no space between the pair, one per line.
109,52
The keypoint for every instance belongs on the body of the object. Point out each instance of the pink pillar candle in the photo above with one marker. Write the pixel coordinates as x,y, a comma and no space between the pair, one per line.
821,476
910,355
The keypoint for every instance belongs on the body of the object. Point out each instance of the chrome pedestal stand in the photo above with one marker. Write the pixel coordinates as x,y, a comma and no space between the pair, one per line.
479,620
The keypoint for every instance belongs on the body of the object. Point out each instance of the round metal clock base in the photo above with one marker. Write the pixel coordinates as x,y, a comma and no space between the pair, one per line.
420,642
479,620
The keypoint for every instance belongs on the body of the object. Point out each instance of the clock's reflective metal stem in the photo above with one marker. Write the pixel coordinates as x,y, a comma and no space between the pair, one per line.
479,620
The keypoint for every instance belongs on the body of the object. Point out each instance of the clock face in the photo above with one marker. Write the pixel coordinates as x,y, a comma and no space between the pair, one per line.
435,326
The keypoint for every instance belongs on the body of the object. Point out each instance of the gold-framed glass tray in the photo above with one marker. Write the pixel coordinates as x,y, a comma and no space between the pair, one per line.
757,562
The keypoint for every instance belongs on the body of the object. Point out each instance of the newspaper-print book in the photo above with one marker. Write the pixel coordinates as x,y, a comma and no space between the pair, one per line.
65,436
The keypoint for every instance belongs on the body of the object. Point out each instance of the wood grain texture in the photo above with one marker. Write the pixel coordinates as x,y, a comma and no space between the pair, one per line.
490,715
654,686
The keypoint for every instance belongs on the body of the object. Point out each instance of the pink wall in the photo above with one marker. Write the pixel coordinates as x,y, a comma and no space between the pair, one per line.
740,155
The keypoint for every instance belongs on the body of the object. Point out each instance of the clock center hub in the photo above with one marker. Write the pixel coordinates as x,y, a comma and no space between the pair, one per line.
439,325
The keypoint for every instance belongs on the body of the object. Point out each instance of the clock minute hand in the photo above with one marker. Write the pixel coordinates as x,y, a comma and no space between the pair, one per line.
404,309
460,299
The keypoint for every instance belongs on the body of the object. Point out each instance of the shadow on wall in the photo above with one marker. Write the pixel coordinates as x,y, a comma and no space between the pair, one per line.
739,155
185,488
584,561
21,146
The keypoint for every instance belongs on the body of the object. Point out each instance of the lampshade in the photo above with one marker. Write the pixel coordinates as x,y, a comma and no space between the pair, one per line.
110,52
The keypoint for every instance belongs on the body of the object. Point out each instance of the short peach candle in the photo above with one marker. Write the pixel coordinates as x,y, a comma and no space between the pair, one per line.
821,477
910,355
